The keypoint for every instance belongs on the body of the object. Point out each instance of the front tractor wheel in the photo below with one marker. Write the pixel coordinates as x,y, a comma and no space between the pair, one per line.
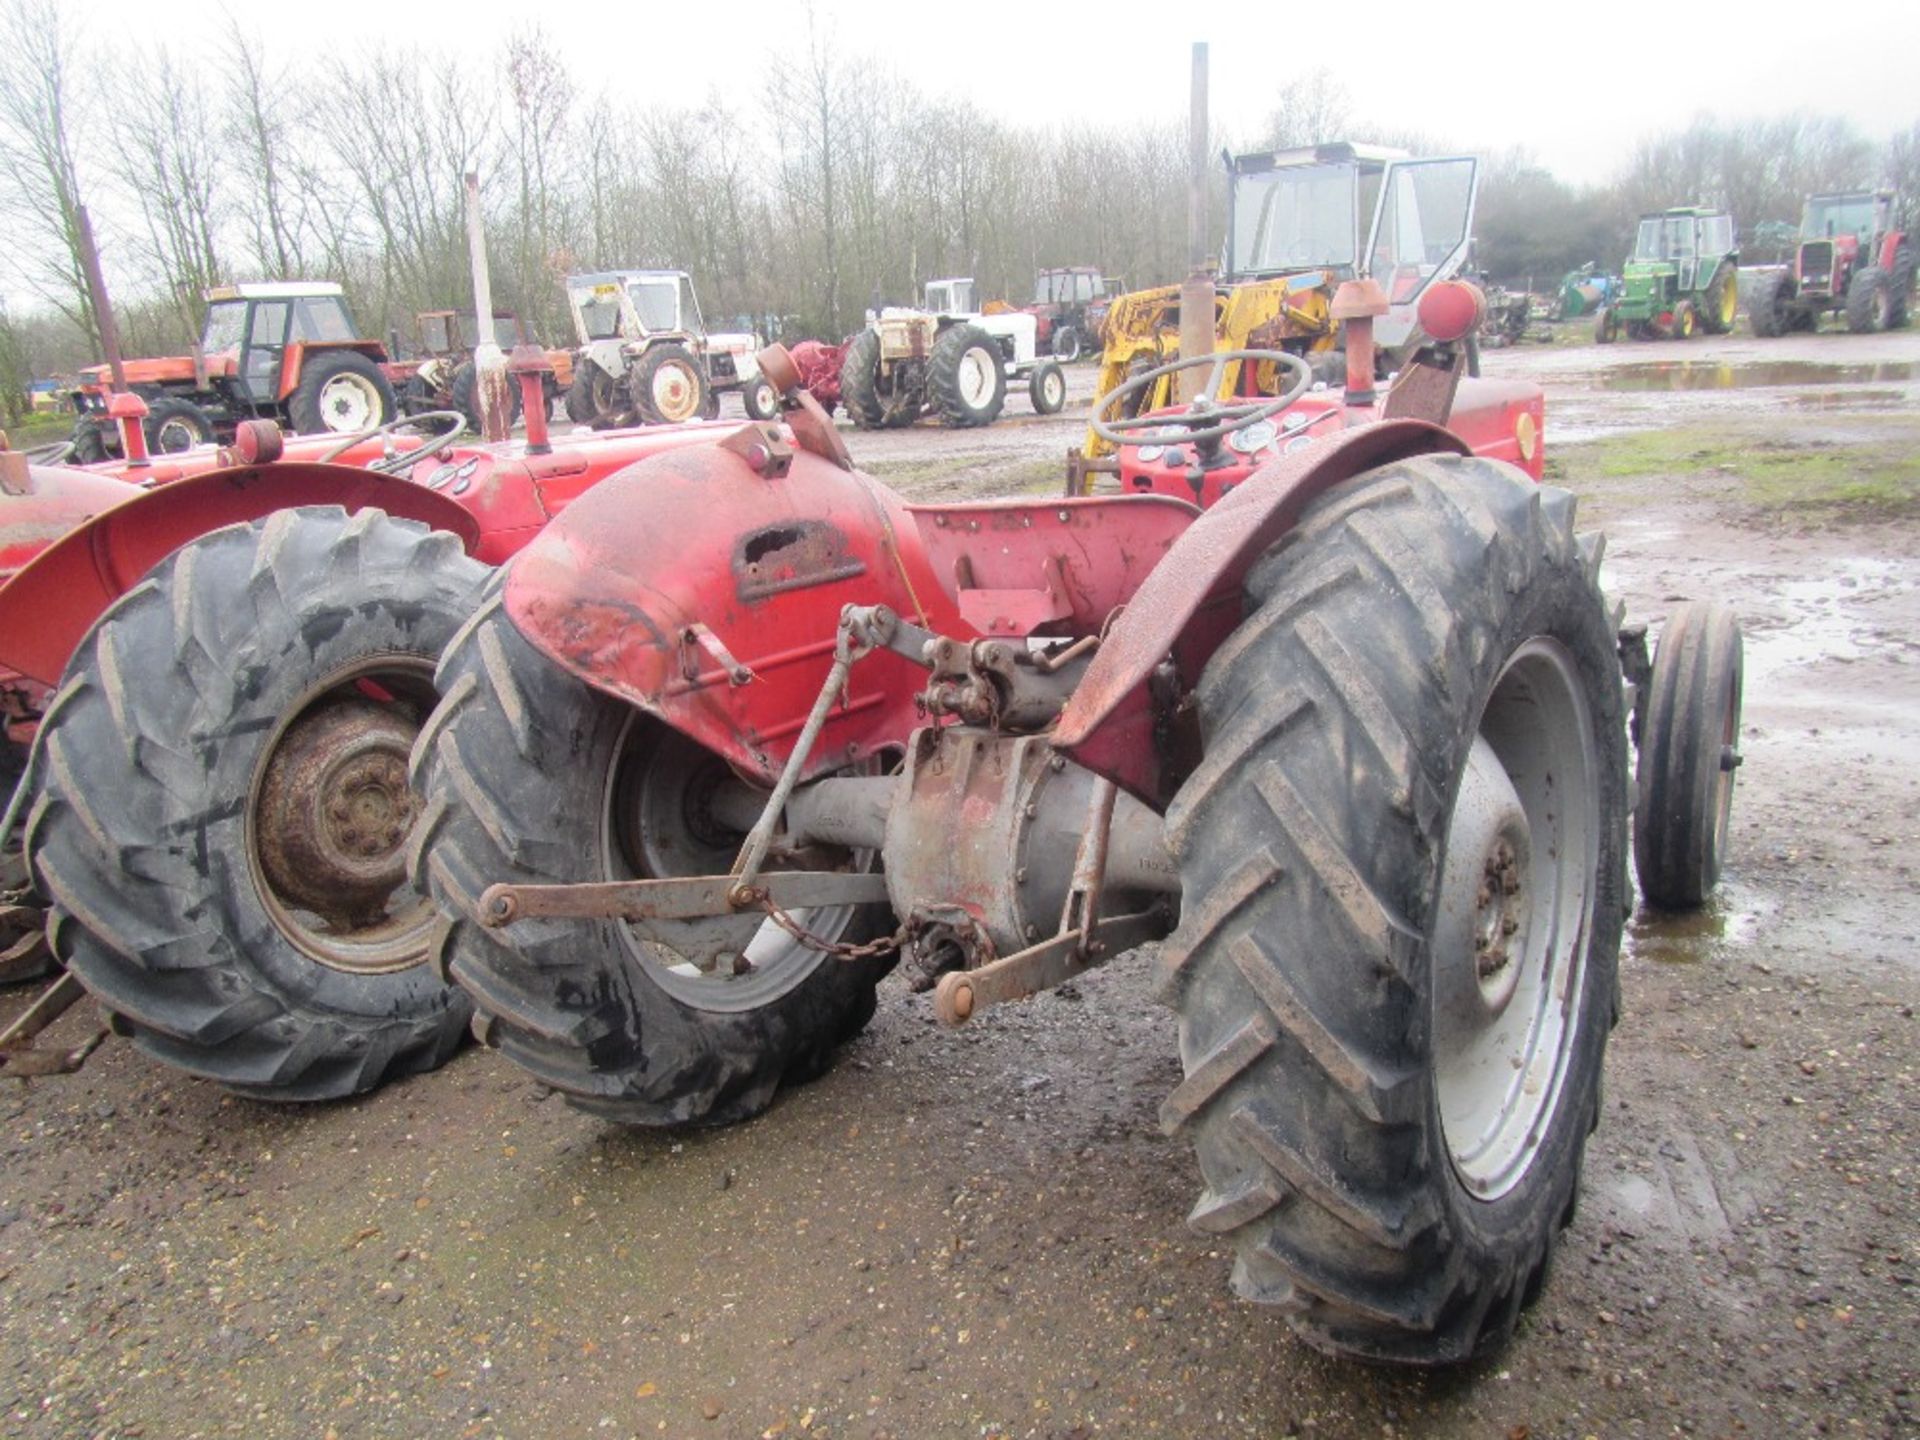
222,813
1403,862
531,776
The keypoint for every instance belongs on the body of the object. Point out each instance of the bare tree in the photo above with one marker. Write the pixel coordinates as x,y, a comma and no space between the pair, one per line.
39,92
168,155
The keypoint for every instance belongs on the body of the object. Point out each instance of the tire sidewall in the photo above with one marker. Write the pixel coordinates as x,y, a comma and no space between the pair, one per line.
303,406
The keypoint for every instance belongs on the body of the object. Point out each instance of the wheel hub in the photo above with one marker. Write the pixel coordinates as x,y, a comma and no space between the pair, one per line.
334,812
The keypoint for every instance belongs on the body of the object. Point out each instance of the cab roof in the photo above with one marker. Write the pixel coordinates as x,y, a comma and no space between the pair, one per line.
1333,152
274,290
621,277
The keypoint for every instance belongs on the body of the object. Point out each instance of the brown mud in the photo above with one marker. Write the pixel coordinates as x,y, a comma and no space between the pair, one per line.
979,1233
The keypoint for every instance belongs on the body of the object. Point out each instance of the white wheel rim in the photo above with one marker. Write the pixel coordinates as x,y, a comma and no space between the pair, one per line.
1509,942
1054,389
976,377
175,436
676,394
349,402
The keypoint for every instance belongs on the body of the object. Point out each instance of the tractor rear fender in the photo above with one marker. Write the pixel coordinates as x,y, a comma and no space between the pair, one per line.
704,585
48,605
1191,601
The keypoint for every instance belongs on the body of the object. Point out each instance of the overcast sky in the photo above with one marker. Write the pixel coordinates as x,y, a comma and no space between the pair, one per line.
1576,84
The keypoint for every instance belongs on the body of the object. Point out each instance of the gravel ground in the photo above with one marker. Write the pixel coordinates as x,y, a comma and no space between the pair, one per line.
979,1233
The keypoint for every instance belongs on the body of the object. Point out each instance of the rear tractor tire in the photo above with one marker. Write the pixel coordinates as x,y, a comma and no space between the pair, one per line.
669,386
1770,308
1065,343
966,377
464,391
860,382
222,815
341,392
1689,752
531,776
1720,307
1402,860
1869,301
594,397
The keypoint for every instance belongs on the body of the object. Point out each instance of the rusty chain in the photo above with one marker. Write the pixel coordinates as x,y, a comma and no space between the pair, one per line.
839,949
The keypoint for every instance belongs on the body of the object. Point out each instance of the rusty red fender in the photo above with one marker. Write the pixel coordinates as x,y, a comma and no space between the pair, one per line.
1190,601
49,604
707,592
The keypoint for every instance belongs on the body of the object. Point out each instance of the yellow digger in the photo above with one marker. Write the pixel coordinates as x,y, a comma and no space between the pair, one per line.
1298,223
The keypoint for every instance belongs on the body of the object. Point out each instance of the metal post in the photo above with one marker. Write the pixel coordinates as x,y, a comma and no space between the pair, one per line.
489,363
1196,293
97,297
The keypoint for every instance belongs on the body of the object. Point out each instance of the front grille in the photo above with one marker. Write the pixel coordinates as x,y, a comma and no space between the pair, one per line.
1816,265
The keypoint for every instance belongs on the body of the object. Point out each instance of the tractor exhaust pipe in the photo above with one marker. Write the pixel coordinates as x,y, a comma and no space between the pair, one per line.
1197,290
489,365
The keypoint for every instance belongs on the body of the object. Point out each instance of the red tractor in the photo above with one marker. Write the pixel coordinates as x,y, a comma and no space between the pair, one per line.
220,669
1853,258
287,352
1326,705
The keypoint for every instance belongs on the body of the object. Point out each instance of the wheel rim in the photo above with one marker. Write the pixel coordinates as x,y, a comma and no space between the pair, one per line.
175,435
1513,919
675,391
975,378
1729,305
1053,389
1729,761
764,398
349,402
329,817
660,822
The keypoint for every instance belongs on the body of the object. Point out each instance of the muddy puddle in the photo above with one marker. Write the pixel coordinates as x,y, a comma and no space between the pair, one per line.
1729,922
1750,375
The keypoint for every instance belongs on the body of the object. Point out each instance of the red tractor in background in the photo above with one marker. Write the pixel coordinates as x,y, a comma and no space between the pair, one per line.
220,661
1854,258
287,351
1070,303
1326,701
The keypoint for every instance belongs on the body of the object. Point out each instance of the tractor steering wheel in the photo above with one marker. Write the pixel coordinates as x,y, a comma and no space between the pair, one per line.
451,422
1206,419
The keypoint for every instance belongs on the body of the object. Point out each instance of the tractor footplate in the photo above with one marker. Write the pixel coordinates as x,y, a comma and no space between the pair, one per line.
962,994
695,898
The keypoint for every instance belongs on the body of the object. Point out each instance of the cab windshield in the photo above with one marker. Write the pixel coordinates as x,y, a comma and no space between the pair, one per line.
1301,217
1830,215
226,324
658,301
1664,238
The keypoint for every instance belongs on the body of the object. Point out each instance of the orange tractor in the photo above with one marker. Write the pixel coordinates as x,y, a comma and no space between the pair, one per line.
287,351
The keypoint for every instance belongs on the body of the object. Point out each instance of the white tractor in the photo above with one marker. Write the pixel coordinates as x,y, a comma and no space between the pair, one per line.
645,353
947,357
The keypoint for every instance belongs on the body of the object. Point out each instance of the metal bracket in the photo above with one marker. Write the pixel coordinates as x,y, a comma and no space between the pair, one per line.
961,994
21,1060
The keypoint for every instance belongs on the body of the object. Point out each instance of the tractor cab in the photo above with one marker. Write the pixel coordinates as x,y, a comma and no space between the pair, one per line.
1325,213
249,329
952,297
633,305
1862,213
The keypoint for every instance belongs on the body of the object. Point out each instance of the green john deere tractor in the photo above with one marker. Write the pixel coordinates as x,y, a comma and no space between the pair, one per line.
1681,278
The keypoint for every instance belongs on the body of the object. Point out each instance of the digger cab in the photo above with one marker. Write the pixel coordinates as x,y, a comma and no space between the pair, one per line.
1339,210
